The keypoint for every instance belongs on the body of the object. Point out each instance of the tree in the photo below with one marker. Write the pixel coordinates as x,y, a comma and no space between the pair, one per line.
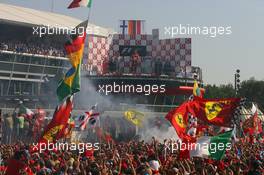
253,90
222,91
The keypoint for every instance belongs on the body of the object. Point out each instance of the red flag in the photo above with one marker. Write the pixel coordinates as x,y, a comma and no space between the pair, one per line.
253,125
257,123
248,126
138,27
14,167
214,111
131,27
55,129
178,118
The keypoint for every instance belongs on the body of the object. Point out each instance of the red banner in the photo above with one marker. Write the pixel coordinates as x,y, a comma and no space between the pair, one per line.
178,118
214,111
55,129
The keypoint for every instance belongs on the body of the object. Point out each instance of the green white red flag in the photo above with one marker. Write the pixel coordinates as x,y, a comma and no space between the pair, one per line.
26,112
210,147
80,3
213,147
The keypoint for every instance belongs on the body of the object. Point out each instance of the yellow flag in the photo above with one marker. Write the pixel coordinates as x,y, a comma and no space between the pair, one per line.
134,117
196,89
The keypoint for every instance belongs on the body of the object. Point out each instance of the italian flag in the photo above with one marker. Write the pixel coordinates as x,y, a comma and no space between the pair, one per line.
211,147
80,3
27,113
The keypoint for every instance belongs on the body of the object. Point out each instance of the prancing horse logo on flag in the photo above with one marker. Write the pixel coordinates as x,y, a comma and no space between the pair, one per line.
179,120
212,109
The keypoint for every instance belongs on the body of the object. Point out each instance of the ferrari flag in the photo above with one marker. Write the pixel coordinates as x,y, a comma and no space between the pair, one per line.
218,112
134,117
178,118
55,129
74,48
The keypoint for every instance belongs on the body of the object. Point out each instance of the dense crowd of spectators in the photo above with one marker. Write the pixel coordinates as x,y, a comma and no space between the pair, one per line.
32,48
16,127
130,158
123,157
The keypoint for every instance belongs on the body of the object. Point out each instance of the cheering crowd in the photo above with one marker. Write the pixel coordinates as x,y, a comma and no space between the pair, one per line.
17,127
130,158
32,48
121,154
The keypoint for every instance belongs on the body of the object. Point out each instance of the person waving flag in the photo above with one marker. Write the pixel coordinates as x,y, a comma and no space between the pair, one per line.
25,112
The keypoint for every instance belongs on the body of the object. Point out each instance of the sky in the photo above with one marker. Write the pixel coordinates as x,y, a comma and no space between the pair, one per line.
218,57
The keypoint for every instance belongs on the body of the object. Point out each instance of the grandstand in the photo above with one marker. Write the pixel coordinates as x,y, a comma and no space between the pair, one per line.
31,66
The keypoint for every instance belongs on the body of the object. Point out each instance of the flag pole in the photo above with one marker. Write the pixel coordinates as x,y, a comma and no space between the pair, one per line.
89,14
52,5
88,18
